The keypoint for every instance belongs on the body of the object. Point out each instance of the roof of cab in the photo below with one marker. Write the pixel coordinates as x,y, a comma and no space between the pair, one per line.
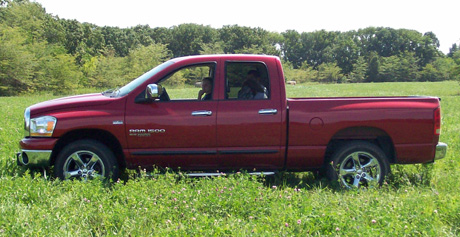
224,56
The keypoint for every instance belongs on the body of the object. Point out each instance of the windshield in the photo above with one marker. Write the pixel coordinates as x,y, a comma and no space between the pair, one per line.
138,81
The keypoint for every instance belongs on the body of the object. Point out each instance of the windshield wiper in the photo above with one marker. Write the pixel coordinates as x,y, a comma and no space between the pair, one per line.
115,92
107,91
111,92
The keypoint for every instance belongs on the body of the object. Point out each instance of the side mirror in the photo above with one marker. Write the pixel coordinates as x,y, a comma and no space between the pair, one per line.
153,91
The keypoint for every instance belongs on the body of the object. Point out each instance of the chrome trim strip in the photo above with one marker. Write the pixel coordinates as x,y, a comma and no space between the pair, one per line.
262,173
203,174
220,174
170,153
441,150
230,152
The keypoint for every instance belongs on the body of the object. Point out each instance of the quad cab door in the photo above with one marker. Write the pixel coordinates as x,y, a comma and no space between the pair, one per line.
177,130
249,130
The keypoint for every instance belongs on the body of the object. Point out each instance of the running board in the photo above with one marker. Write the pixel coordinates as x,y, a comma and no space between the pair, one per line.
220,174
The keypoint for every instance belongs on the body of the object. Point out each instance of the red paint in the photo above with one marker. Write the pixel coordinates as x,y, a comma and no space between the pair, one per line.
235,135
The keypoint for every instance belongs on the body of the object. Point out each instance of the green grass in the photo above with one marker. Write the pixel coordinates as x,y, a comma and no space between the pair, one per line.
418,200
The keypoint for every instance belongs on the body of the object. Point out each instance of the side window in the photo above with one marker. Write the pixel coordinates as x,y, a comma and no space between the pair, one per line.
247,81
189,83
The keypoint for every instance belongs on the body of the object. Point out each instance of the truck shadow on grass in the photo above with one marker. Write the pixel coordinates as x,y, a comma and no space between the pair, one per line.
401,176
419,175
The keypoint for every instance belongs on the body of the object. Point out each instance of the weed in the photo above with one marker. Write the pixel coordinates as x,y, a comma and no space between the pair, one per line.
416,200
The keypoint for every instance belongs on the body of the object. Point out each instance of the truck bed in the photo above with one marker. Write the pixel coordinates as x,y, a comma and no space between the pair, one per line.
404,122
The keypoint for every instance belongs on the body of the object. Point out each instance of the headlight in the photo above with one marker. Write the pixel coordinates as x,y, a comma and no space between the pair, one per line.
27,122
42,126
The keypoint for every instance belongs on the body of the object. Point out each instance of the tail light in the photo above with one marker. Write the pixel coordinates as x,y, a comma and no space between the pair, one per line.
437,121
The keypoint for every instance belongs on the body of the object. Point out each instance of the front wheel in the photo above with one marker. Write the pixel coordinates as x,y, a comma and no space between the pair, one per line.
86,159
357,164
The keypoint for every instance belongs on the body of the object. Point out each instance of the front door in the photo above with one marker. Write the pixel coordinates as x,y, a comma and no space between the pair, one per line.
179,131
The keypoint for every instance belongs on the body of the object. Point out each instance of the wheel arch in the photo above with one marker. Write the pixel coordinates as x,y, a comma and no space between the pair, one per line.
373,135
102,136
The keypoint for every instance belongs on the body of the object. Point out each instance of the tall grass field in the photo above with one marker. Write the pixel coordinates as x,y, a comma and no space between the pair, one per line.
417,200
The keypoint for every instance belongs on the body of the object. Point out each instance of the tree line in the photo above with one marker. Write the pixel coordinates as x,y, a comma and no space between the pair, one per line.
41,52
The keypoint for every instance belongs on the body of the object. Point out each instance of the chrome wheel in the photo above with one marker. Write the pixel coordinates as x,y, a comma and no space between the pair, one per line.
85,165
360,168
357,164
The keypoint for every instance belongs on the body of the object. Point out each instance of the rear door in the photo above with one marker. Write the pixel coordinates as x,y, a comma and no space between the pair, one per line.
249,129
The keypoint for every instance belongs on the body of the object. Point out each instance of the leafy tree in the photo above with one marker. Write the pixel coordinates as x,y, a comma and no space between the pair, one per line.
212,48
108,72
388,69
399,68
407,67
300,75
428,50
89,69
318,47
161,35
187,39
329,73
456,56
116,39
373,68
254,49
456,69
74,35
176,80
292,48
143,34
359,71
429,73
144,58
240,39
345,52
38,49
445,66
452,50
27,16
385,42
53,32
93,39
16,62
59,74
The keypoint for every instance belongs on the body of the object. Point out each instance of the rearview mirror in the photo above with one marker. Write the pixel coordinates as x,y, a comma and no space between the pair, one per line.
153,91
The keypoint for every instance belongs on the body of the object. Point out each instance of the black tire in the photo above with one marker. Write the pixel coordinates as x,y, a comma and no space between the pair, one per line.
358,163
320,173
86,159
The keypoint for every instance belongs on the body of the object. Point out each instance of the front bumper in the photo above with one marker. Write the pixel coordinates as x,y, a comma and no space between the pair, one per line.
441,150
34,158
35,152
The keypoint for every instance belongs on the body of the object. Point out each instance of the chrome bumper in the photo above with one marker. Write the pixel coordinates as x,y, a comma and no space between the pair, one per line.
34,158
441,150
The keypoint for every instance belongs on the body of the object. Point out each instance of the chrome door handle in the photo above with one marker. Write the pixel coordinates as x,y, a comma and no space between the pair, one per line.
202,113
268,111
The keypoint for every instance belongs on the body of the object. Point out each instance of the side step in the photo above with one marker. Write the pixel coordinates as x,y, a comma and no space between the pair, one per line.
220,174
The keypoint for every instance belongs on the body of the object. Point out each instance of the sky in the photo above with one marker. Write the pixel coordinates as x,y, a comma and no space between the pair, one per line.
438,16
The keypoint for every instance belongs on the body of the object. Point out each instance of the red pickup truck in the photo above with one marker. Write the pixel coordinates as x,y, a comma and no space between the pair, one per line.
244,121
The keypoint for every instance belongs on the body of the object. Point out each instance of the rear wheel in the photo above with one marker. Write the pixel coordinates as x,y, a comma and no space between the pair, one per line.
358,164
86,159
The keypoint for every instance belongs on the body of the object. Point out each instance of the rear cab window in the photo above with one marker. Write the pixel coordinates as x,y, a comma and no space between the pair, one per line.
246,81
